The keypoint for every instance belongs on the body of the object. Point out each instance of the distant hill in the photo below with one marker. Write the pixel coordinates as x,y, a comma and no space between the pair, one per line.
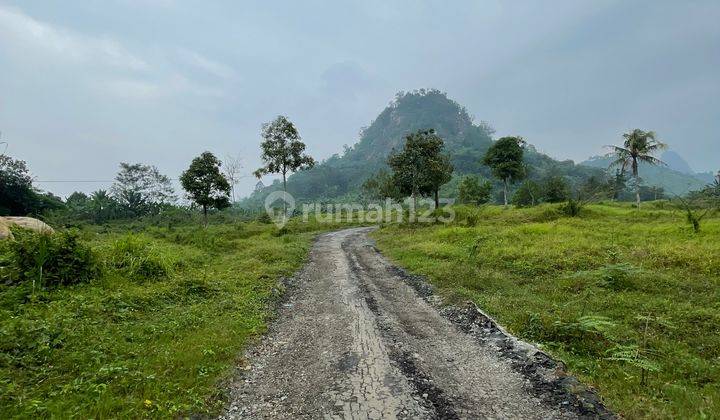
671,180
340,177
675,162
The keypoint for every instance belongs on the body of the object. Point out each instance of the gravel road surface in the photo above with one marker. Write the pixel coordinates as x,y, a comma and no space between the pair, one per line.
354,339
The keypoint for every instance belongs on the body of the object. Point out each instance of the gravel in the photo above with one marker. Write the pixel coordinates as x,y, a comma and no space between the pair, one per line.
358,338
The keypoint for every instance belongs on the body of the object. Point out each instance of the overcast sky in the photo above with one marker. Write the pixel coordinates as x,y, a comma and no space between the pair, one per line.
85,85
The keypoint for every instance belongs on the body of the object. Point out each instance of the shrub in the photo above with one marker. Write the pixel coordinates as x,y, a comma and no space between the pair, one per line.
138,259
527,194
52,260
474,190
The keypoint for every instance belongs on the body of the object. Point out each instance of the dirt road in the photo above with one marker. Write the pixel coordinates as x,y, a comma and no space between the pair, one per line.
358,339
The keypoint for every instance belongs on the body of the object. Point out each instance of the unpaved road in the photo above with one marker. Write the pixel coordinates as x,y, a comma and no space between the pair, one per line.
355,340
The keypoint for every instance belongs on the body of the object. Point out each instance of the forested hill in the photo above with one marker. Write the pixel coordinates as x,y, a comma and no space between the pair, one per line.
340,177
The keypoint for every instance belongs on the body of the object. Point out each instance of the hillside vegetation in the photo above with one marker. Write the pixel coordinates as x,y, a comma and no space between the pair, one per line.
629,299
340,177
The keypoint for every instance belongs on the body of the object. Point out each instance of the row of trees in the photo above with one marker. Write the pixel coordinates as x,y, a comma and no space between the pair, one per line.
141,190
420,169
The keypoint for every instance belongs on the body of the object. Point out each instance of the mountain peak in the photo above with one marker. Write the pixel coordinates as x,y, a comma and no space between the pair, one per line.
675,162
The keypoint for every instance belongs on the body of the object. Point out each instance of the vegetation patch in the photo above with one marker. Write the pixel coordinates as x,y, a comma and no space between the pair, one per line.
627,298
154,333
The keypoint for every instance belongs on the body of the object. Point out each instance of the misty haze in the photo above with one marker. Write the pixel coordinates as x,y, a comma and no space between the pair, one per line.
359,210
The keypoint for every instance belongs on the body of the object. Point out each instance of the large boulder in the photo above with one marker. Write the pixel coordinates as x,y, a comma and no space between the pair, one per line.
5,230
23,222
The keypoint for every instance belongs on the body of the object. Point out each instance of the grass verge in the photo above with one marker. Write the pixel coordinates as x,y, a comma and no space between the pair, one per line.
629,300
156,333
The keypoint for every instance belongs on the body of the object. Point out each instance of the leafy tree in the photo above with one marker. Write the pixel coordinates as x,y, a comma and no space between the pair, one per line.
639,146
142,189
528,194
421,168
555,189
205,184
505,159
381,186
473,190
282,150
17,196
102,206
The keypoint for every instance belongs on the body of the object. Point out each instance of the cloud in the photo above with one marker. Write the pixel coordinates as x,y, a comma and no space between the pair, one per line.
207,65
24,35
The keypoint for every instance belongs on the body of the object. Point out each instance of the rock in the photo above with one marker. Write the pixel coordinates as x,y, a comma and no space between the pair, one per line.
5,230
23,222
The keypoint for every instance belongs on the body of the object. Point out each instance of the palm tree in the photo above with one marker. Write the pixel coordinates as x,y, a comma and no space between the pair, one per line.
639,146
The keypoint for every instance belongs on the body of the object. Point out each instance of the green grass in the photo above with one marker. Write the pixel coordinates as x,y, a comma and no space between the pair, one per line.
612,293
157,334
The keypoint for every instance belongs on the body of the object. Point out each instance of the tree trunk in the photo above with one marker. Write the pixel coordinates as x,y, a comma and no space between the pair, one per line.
205,214
636,174
437,199
505,191
285,191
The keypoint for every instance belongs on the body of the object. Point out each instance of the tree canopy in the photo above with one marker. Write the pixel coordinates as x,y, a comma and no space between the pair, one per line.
505,159
283,151
421,168
205,184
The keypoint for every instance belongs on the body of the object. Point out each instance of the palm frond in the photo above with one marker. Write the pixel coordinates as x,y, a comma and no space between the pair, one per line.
651,160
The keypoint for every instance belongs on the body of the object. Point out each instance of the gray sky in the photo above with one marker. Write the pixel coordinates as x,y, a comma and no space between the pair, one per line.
85,85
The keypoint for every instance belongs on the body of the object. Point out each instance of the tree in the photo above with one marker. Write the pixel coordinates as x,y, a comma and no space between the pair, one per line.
528,194
505,159
205,184
282,151
142,189
555,189
231,170
639,146
421,168
381,186
102,206
473,190
17,196
617,184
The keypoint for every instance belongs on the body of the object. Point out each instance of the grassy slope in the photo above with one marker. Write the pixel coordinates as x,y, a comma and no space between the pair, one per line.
120,347
539,273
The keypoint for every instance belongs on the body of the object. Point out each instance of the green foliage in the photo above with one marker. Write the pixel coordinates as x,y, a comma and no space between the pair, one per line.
505,159
52,260
340,177
122,347
473,190
420,168
381,186
18,197
572,208
582,288
528,194
138,259
555,189
283,152
639,146
141,189
205,184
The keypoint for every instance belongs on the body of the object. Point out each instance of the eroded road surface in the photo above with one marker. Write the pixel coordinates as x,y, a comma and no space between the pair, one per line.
354,340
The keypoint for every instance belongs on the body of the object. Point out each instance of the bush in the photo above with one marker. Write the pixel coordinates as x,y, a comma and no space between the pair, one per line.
527,194
52,260
138,259
474,190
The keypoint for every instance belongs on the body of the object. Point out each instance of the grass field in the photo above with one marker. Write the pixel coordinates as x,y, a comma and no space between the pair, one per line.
156,333
629,300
